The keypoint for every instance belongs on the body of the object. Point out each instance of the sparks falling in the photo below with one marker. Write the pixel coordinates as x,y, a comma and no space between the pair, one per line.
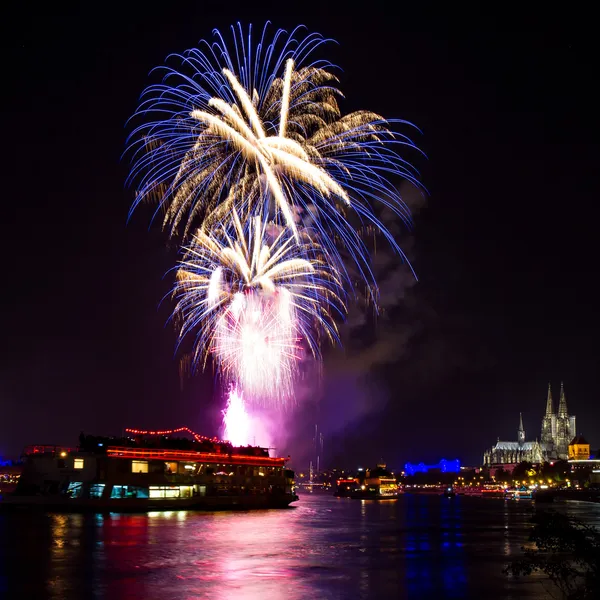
236,421
255,301
256,343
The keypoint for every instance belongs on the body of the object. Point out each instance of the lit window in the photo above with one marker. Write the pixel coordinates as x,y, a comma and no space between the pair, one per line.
129,491
74,489
139,466
185,491
96,490
78,463
164,491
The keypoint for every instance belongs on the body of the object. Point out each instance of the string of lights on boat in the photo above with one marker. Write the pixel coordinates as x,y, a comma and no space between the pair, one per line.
196,436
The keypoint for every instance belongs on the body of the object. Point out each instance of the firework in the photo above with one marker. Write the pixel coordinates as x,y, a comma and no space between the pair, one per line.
255,301
236,422
256,343
221,264
258,127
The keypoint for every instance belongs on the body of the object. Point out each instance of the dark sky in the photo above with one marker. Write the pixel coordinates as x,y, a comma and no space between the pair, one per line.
505,248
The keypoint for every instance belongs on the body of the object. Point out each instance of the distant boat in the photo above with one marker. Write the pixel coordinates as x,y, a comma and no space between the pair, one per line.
449,492
521,493
487,490
378,484
346,487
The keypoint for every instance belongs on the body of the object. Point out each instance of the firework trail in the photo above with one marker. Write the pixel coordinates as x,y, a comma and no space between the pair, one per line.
258,127
236,421
255,303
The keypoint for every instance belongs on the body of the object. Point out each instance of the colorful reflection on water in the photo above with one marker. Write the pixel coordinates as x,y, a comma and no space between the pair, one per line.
415,547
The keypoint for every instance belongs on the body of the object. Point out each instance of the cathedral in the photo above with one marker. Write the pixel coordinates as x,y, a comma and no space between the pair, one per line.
558,429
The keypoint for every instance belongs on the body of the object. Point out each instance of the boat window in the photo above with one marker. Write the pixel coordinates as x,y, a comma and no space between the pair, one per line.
74,489
139,466
185,491
96,490
170,467
129,491
164,491
78,463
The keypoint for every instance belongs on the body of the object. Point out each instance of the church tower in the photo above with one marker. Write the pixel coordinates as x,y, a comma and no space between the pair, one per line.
562,403
549,421
521,432
565,426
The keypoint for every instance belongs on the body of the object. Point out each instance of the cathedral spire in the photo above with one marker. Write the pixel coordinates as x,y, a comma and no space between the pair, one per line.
549,403
562,403
521,432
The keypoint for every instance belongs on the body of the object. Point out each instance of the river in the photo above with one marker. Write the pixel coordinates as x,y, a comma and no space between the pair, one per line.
415,547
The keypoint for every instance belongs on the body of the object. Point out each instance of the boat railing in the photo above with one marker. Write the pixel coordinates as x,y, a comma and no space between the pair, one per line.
208,457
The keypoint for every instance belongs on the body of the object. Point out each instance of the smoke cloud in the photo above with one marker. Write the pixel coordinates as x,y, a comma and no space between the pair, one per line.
349,388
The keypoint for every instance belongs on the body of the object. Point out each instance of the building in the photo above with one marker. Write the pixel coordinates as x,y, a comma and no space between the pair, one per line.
579,449
558,429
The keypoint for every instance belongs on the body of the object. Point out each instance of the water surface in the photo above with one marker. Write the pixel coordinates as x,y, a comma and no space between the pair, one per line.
325,547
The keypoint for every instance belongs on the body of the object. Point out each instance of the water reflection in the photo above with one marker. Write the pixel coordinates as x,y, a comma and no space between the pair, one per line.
415,547
435,561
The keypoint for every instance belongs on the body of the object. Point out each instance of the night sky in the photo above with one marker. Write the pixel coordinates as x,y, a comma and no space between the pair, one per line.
505,244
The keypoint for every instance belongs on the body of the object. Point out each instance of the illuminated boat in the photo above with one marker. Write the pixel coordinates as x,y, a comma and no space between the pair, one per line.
377,484
521,493
487,490
492,490
345,487
472,491
158,473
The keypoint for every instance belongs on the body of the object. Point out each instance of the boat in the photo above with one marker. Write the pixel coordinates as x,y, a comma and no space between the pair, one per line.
487,490
376,484
148,474
492,490
345,487
521,493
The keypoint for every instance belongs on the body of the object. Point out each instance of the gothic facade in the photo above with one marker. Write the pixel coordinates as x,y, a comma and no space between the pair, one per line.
558,429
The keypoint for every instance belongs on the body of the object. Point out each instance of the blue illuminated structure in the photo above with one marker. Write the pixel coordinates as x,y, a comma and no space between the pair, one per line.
445,466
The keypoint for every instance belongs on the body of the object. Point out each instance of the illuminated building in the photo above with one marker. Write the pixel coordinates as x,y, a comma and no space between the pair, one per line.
579,449
444,466
557,430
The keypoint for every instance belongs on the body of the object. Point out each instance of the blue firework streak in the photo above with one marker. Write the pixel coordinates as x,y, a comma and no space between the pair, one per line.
256,125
